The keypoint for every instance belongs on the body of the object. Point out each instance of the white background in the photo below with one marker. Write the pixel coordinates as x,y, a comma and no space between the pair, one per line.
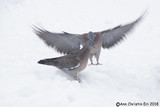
130,70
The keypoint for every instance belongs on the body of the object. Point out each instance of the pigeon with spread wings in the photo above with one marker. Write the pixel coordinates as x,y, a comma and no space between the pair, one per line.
67,42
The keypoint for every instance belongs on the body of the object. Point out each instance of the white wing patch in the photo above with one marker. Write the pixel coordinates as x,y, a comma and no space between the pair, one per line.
75,66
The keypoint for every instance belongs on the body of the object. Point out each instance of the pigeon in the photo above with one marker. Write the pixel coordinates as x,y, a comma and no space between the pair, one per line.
73,62
67,42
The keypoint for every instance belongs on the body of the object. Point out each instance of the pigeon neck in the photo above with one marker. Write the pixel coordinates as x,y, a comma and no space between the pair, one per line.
85,52
98,37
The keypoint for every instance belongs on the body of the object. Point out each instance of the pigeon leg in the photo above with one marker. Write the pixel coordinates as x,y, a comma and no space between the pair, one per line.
77,78
98,63
74,75
90,57
97,58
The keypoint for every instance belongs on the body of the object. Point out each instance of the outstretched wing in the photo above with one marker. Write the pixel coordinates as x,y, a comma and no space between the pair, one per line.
62,42
113,36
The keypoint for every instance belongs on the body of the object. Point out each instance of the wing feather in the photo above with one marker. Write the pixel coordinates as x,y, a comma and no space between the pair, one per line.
62,42
113,36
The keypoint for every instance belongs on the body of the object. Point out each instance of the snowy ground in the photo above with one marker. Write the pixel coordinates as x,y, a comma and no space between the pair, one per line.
130,71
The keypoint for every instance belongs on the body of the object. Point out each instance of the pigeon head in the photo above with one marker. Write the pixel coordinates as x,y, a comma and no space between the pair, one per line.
91,35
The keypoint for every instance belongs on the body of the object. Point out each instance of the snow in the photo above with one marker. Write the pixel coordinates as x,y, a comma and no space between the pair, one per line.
130,70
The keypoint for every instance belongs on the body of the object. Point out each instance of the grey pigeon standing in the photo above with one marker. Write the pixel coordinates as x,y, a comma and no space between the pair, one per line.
72,63
67,42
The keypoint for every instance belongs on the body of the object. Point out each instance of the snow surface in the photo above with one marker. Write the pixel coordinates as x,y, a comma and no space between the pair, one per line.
130,70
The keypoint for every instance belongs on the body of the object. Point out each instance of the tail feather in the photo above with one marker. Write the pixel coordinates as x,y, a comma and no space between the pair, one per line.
42,61
52,61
